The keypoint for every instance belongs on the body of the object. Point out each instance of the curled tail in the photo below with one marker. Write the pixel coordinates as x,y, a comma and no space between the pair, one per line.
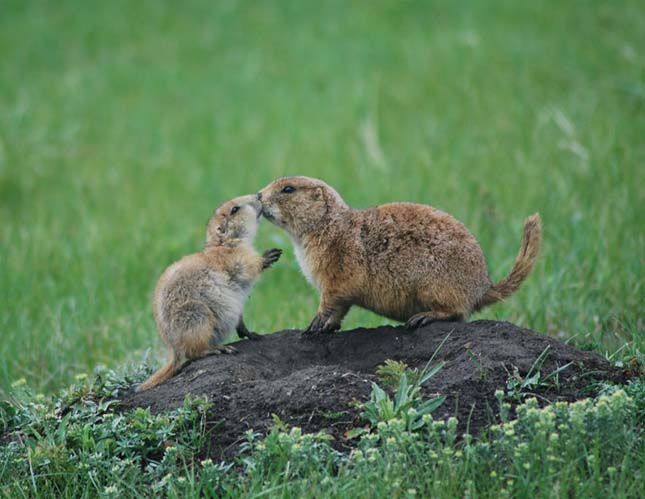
162,374
531,239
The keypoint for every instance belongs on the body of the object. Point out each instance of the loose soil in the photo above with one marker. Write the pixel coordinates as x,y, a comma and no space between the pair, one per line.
315,382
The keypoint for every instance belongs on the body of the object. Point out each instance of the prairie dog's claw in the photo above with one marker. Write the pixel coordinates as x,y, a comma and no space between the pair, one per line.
271,256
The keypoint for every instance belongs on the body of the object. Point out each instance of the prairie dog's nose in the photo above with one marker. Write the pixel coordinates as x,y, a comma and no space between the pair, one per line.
259,196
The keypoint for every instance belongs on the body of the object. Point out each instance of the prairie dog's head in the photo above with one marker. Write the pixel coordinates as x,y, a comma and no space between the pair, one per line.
299,204
235,220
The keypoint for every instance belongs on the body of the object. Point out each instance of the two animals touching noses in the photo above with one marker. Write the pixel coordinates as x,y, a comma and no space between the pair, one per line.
408,262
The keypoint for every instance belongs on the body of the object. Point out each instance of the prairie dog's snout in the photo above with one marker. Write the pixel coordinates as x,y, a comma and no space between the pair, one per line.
251,203
269,210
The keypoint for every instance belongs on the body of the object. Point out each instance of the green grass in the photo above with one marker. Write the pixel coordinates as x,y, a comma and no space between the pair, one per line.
124,124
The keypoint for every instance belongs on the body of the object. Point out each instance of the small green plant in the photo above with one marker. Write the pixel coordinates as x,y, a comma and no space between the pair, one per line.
635,389
519,387
392,371
289,449
407,404
476,359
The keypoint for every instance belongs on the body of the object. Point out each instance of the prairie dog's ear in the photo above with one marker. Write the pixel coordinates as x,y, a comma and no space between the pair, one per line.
318,193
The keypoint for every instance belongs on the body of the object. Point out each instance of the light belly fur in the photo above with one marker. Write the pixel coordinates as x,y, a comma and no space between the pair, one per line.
304,265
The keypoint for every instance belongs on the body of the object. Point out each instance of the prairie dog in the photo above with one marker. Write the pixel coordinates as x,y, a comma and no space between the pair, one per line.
408,262
200,299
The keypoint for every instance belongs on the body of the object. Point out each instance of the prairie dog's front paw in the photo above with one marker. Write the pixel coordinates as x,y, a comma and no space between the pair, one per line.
270,257
321,323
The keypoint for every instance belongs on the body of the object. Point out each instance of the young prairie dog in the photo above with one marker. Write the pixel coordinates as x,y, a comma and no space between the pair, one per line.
200,299
408,262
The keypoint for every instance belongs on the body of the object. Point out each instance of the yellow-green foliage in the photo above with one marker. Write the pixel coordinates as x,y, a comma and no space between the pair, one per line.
79,443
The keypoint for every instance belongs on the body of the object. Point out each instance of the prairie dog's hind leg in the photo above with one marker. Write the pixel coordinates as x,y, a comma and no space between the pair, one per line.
425,318
243,332
219,349
215,347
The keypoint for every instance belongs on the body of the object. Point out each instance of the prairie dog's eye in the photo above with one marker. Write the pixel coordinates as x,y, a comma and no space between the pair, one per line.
234,210
288,189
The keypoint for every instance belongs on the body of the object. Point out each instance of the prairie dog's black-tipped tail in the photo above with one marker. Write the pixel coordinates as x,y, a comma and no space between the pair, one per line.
166,372
529,250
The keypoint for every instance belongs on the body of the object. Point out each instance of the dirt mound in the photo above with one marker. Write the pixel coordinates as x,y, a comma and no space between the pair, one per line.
313,382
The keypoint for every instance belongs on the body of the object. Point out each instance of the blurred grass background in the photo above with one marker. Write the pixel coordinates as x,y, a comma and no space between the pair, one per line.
124,124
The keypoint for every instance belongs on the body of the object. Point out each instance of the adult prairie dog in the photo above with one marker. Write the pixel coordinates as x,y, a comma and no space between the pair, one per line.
406,261
200,299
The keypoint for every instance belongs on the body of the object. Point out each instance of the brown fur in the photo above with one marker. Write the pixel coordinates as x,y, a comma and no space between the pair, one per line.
199,299
406,261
